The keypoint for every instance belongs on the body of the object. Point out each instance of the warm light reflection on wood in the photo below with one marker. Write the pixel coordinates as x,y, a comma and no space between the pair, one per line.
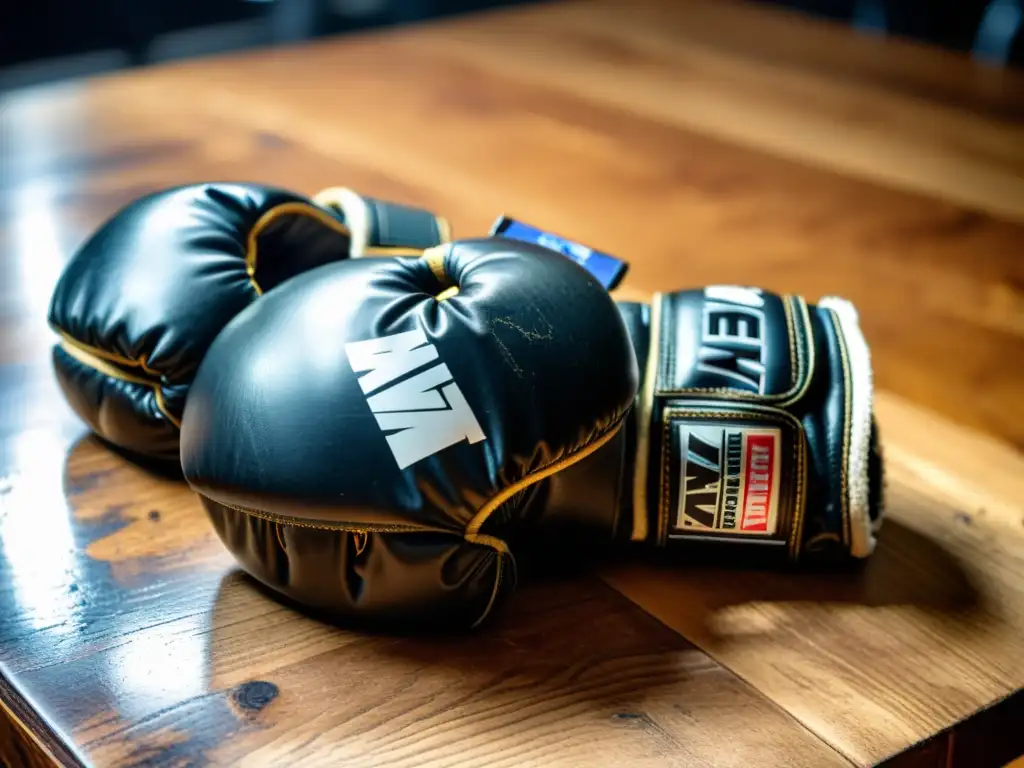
36,534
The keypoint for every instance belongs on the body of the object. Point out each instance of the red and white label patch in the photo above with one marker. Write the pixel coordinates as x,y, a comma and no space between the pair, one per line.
759,487
729,480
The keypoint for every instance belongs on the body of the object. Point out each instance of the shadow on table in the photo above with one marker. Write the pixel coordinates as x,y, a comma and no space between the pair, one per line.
909,571
907,568
163,469
570,646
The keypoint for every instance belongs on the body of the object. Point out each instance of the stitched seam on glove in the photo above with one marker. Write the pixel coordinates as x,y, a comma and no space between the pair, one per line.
325,526
100,361
279,537
499,568
666,487
359,538
105,355
801,352
488,507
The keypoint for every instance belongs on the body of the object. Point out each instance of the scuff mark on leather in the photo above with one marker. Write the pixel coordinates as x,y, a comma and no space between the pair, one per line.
505,353
530,335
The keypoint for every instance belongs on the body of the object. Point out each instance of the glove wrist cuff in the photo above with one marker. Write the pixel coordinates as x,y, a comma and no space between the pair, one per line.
864,520
755,428
384,228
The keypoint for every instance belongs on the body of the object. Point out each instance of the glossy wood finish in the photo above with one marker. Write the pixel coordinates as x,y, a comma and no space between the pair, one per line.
704,141
129,630
155,649
929,632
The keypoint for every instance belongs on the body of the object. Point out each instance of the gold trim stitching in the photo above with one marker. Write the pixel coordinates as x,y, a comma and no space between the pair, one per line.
272,215
471,533
811,360
87,357
791,333
359,541
801,353
477,521
490,541
499,568
666,496
113,357
336,527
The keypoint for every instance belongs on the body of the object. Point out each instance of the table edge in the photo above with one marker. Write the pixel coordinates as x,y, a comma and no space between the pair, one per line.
35,731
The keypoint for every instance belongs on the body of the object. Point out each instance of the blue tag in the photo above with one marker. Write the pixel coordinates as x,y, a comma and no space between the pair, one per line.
608,270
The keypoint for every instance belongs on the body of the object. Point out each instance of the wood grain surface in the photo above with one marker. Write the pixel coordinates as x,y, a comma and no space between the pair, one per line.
702,141
126,625
932,627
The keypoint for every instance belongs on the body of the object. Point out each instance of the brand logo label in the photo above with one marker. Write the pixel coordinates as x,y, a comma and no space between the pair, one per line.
420,415
732,336
729,480
606,268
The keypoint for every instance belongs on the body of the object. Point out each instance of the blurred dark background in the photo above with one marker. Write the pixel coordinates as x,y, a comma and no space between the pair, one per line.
45,40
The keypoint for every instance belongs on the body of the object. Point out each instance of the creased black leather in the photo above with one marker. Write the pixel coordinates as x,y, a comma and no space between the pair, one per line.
151,288
591,501
441,581
114,407
159,280
278,426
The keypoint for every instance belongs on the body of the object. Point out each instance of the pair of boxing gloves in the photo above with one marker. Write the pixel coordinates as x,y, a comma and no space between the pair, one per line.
375,438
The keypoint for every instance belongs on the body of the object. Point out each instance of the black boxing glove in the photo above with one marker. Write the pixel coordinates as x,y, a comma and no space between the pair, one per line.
753,436
139,303
366,437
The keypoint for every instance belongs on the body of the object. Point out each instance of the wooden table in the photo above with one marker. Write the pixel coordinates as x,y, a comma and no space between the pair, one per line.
703,141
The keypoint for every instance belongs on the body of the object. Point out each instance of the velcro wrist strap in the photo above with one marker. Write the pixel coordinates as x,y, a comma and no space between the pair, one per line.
730,472
754,424
384,228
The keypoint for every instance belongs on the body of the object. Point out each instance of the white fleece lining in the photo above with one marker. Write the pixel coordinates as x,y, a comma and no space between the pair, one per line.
357,215
862,531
